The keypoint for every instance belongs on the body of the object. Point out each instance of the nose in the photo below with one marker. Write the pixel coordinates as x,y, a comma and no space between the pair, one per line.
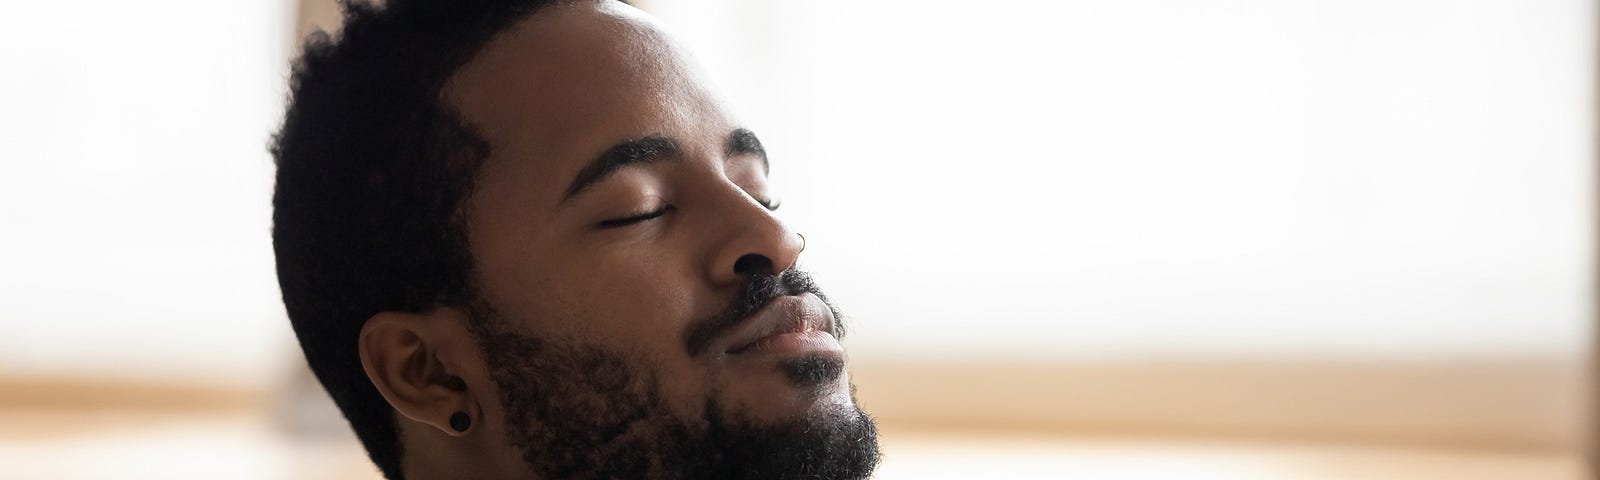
754,241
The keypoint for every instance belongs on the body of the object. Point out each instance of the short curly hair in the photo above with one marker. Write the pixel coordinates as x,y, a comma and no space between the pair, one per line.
372,171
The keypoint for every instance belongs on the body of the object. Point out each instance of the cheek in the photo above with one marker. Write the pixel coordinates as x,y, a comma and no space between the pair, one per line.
635,309
618,303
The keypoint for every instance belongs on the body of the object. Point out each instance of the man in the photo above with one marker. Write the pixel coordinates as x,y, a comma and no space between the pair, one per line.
523,239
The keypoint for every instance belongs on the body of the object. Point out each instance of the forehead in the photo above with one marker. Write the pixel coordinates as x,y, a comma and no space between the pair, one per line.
570,80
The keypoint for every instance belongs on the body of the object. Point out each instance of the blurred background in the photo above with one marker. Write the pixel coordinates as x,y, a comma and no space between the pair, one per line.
1135,239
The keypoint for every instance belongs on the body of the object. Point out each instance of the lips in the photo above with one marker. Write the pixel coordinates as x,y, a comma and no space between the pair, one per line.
793,323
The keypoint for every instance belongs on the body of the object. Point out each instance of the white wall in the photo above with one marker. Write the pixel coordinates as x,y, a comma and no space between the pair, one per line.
135,188
1169,178
1052,180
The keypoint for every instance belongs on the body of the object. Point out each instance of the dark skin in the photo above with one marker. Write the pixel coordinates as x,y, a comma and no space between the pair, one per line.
627,262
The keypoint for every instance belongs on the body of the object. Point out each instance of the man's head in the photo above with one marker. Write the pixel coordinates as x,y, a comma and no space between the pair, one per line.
524,239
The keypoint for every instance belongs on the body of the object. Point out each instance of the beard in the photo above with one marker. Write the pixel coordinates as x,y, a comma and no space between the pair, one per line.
583,412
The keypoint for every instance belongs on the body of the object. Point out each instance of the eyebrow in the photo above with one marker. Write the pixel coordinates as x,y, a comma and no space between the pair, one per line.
643,150
654,148
744,142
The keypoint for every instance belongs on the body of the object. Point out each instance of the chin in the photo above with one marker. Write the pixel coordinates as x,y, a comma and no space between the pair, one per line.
824,434
787,388
818,373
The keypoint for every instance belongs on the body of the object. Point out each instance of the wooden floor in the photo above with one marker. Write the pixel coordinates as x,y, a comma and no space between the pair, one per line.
936,456
69,444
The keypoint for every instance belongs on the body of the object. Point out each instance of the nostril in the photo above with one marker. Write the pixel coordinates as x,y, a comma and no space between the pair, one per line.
752,264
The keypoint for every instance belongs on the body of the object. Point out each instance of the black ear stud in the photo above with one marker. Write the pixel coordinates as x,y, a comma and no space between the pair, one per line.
460,421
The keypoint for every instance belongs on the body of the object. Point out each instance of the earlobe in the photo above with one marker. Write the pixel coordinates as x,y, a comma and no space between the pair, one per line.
409,359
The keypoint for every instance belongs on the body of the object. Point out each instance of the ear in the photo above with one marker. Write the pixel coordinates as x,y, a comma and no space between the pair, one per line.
417,360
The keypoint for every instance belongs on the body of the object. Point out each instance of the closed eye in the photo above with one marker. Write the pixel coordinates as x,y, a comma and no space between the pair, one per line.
772,205
636,218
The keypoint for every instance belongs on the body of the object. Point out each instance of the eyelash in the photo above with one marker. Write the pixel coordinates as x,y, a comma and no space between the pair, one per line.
771,206
632,219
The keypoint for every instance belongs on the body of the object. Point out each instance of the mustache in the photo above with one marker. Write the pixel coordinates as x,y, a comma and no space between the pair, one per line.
760,290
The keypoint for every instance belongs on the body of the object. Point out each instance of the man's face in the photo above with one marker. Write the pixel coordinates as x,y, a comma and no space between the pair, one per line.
624,252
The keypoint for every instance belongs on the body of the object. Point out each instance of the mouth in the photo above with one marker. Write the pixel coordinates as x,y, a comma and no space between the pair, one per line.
789,325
